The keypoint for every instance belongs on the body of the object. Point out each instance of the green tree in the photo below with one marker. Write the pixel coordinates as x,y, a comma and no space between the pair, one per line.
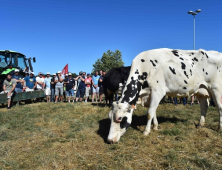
74,75
108,61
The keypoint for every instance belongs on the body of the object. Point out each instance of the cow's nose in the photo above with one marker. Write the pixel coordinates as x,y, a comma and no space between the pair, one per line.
110,141
119,120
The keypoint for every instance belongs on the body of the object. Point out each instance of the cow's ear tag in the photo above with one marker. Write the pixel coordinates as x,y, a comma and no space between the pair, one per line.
133,106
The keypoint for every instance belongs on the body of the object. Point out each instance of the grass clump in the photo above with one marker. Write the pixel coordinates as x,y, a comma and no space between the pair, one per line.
172,132
171,156
203,163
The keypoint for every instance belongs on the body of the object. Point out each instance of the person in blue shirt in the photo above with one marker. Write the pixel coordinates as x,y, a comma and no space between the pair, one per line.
81,86
47,82
30,82
19,80
95,87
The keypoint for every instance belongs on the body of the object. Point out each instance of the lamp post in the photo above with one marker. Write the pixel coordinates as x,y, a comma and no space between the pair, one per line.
194,13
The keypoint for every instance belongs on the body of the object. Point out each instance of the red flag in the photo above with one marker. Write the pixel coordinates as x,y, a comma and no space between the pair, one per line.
65,70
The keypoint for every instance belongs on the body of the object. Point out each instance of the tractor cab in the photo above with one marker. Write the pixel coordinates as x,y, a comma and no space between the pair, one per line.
11,60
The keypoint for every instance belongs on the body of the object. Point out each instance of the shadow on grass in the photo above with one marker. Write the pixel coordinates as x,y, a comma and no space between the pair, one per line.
104,124
99,104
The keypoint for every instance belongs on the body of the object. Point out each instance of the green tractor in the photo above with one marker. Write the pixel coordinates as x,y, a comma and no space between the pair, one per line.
11,60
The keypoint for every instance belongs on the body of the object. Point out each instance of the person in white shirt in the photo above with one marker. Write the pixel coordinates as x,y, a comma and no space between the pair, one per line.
40,82
47,82
59,86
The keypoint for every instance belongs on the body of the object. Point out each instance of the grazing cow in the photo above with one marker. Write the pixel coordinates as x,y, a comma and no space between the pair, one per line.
112,80
176,73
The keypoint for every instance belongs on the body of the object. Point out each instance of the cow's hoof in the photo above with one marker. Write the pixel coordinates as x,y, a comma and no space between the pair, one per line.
155,128
145,133
200,126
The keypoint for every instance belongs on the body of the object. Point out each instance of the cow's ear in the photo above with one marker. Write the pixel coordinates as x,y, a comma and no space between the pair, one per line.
113,105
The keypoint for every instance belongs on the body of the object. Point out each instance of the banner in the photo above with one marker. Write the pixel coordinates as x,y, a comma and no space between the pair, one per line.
65,70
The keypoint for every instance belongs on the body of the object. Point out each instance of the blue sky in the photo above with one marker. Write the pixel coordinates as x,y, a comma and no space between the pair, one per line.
78,32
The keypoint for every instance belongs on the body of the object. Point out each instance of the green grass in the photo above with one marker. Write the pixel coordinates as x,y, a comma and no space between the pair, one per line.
73,136
172,132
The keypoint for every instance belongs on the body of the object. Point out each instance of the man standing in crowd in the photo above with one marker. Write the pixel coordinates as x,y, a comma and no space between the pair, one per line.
47,82
26,70
40,82
101,86
95,88
176,103
88,82
59,86
19,80
30,82
64,87
9,85
81,86
26,74
70,85
192,100
24,83
53,87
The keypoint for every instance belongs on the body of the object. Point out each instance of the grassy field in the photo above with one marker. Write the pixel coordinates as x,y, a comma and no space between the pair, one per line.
73,136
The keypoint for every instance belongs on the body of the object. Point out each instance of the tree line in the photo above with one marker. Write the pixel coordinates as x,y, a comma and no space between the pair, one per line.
108,61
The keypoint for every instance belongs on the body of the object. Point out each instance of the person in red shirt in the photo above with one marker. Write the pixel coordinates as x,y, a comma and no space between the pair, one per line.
88,82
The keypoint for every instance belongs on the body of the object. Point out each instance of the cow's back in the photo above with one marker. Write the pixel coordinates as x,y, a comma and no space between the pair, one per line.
175,72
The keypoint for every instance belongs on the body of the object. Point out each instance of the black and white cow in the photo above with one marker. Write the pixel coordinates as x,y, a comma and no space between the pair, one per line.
176,73
112,80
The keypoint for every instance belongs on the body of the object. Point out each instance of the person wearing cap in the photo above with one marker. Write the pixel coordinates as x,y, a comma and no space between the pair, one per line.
40,82
70,85
95,87
19,80
30,82
47,82
81,86
88,82
53,87
26,74
9,85
26,70
101,86
59,86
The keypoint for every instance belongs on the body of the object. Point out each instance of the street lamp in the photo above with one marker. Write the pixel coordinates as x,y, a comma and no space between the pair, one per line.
194,13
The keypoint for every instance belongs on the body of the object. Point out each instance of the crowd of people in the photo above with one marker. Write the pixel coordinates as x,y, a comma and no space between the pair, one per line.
183,100
57,86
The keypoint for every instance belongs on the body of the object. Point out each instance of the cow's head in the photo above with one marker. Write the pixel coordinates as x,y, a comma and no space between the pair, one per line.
121,118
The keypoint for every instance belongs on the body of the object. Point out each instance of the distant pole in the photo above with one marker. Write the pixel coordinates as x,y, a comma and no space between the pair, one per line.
194,13
194,32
